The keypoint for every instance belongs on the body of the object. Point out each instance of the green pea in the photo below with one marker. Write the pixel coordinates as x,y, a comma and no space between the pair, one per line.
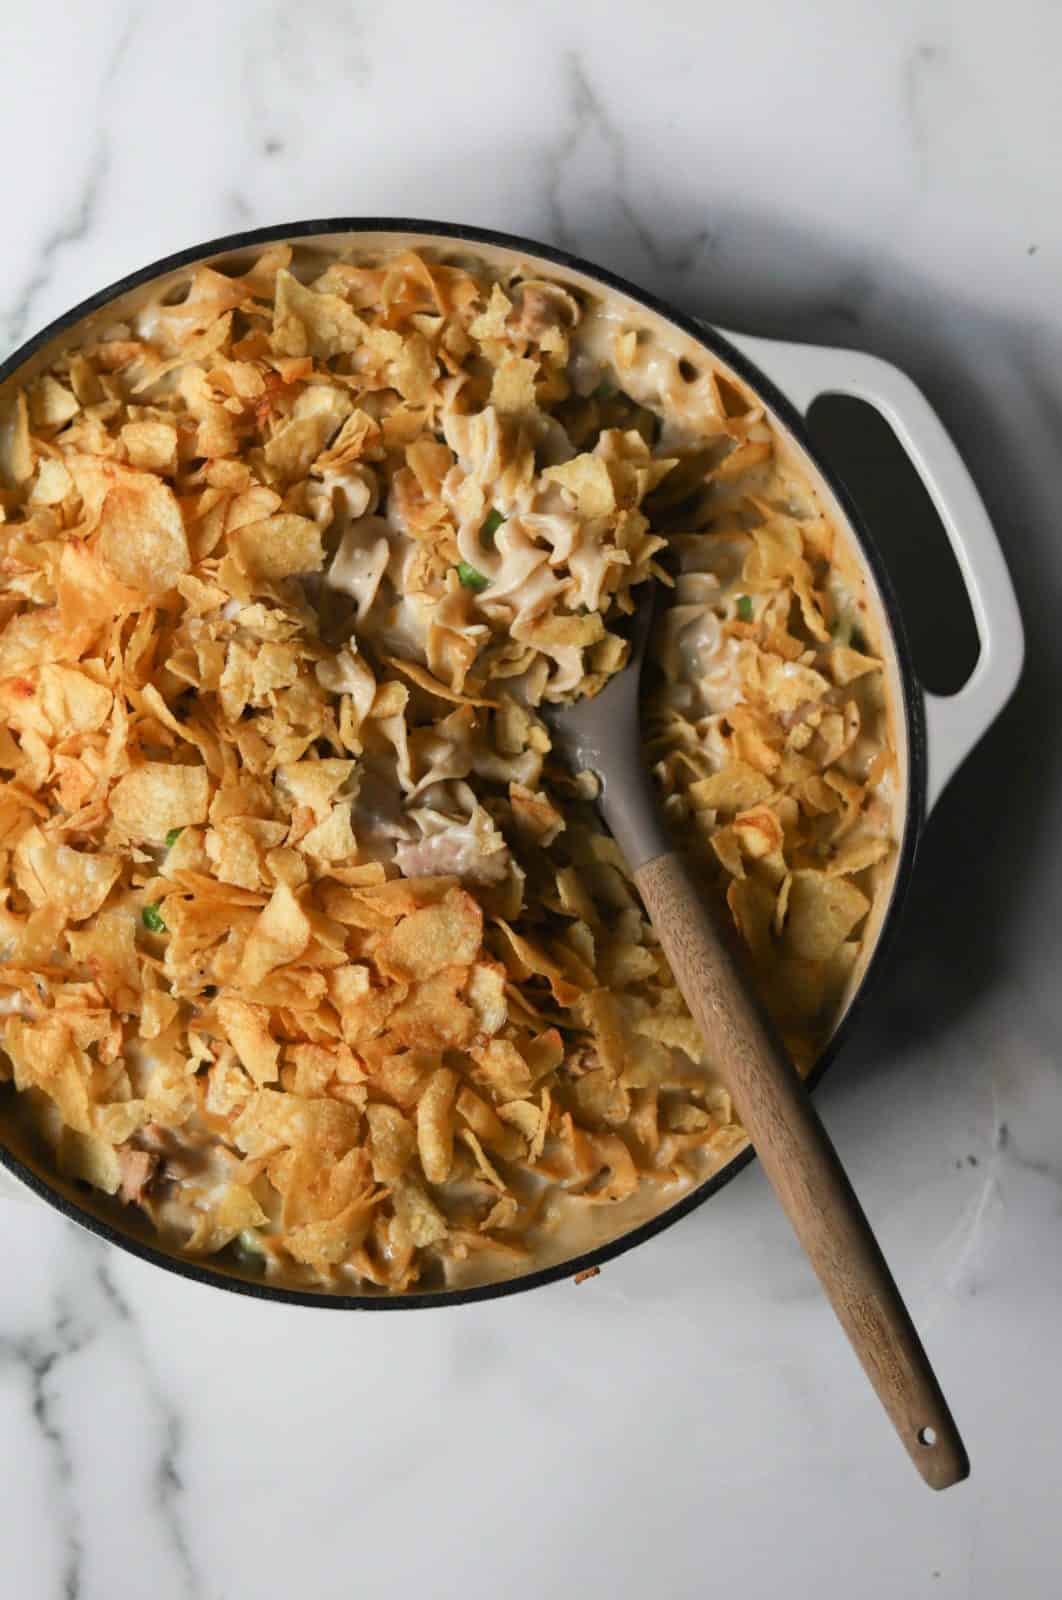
491,523
470,577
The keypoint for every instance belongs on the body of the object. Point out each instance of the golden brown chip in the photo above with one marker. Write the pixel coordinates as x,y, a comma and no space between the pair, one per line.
284,546
247,1030
332,840
855,854
513,386
543,1053
823,911
435,1130
751,903
72,701
615,1175
786,685
157,1011
44,1055
158,796
272,1120
502,1069
52,873
151,446
529,957
535,815
419,1216
504,1213
308,323
439,936
488,1125
327,1241
141,536
490,324
737,787
586,478
359,434
51,404
727,845
53,483
392,1141
676,1031
759,831
486,1168
295,445
108,948
316,783
280,935
235,1210
427,680
485,992
17,455
847,665
235,849
432,1015
606,1023
522,1114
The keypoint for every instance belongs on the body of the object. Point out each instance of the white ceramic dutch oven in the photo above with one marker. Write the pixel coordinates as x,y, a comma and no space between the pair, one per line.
933,734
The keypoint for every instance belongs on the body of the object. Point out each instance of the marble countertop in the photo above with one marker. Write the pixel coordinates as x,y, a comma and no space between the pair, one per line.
884,177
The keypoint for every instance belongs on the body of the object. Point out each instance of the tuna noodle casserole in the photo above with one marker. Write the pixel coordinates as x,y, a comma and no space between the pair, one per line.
309,948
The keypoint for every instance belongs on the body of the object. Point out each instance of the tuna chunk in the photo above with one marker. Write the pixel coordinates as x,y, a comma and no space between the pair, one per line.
137,1168
455,850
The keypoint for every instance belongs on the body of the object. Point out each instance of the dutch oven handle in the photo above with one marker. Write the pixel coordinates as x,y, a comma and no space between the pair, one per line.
954,723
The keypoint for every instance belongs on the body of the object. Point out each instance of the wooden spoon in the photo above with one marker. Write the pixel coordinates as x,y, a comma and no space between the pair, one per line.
604,734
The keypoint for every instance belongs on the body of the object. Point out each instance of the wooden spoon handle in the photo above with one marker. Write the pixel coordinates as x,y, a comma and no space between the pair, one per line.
803,1166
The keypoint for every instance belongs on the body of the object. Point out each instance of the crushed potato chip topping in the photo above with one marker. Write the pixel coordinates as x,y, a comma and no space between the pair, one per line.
309,947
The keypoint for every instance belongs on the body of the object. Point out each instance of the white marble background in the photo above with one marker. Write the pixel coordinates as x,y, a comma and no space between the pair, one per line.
881,175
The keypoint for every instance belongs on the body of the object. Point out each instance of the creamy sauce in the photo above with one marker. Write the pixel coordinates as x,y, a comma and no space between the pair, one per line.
651,373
